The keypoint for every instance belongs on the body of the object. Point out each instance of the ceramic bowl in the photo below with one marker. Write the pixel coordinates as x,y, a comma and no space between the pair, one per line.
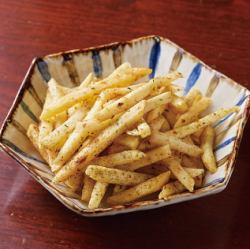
71,67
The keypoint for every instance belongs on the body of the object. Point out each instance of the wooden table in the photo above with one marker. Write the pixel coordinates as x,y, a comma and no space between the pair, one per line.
216,31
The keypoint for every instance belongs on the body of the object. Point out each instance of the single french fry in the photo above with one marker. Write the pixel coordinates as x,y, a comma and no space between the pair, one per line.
152,156
128,141
170,189
97,195
88,185
146,145
57,92
143,130
189,129
58,136
194,111
120,158
194,172
158,100
33,135
155,113
74,109
148,187
101,142
178,104
207,144
193,94
192,162
115,176
180,173
122,76
160,138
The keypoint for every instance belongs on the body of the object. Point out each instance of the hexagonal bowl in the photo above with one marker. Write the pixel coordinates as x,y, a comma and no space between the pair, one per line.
69,68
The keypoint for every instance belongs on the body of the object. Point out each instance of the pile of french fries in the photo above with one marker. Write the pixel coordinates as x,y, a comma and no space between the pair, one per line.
114,141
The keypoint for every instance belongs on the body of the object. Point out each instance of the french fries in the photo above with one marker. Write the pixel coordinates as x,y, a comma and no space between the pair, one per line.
118,141
207,144
115,176
148,187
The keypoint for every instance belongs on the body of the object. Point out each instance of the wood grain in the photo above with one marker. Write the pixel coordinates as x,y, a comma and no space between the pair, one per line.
215,31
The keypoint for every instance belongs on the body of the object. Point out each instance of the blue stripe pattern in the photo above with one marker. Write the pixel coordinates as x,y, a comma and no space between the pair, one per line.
225,143
43,69
154,57
193,77
239,103
18,150
28,111
97,63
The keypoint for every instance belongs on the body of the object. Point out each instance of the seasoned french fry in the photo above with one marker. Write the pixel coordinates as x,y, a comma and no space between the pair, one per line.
101,142
193,95
74,108
158,100
180,173
152,156
194,111
97,195
170,189
175,143
120,158
207,144
153,169
143,130
128,141
148,187
194,172
33,135
189,129
116,79
58,136
178,104
88,185
146,145
115,176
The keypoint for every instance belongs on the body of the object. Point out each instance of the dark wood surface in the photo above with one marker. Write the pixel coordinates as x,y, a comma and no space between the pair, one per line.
216,31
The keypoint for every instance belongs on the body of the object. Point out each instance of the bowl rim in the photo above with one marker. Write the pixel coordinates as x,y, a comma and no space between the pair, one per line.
217,187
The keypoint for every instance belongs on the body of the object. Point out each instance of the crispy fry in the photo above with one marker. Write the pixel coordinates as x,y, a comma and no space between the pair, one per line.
148,187
101,142
115,176
192,162
171,189
115,148
152,156
170,116
189,129
97,195
175,143
120,158
178,171
75,181
178,104
157,123
207,144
